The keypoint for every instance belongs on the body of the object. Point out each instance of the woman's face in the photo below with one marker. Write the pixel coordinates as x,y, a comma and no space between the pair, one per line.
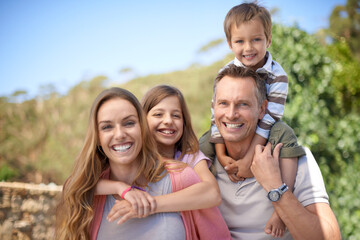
166,122
119,131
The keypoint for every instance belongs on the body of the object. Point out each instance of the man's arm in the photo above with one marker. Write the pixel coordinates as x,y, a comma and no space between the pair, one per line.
315,221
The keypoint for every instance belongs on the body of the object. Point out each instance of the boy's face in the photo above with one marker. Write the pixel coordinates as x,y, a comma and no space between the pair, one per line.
249,43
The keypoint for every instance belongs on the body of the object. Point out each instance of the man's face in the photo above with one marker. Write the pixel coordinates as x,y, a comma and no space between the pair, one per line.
236,109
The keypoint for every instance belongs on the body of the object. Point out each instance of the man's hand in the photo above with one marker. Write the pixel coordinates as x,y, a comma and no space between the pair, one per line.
265,166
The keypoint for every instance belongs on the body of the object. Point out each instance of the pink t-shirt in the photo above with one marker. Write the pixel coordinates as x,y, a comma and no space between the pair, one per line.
191,160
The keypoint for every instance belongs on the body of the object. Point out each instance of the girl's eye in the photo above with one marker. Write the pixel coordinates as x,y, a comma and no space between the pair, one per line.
177,116
157,114
239,41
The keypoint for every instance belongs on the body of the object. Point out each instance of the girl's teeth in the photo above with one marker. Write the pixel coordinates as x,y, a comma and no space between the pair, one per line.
167,131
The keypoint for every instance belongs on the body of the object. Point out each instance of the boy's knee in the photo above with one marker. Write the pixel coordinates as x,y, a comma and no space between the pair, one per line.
282,133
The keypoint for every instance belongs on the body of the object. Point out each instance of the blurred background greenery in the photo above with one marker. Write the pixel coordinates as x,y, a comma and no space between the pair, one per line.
40,137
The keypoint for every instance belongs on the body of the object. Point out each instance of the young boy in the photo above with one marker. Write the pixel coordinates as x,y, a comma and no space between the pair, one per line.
248,32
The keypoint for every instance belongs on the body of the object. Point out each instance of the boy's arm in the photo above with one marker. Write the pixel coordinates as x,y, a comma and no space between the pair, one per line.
243,165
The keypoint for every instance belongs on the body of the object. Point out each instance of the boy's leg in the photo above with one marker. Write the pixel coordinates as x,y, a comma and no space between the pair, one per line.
282,133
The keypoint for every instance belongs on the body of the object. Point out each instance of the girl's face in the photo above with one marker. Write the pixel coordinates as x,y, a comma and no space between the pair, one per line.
166,122
119,131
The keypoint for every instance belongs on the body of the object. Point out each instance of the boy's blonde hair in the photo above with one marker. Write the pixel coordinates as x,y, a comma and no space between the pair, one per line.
246,12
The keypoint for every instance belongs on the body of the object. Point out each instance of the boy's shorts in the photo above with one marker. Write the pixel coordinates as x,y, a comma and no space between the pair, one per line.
279,133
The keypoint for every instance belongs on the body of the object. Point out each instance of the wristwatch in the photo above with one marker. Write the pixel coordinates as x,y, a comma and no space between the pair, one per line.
275,194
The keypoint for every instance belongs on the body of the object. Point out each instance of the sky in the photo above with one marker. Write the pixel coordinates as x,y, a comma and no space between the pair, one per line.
63,42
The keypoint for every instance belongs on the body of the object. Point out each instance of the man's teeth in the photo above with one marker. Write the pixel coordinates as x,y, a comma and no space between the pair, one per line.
167,131
122,148
233,125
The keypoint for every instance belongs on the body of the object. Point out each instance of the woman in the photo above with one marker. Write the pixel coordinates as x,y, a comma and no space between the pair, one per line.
118,147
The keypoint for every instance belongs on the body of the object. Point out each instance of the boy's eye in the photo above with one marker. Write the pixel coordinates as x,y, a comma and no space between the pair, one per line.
239,41
257,39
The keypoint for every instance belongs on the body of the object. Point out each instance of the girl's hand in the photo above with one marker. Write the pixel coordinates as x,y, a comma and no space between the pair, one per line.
141,202
122,209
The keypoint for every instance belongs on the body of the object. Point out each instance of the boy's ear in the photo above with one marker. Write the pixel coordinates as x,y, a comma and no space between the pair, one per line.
229,44
269,41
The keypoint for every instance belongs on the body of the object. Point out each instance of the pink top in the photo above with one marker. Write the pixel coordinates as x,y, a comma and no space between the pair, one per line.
199,224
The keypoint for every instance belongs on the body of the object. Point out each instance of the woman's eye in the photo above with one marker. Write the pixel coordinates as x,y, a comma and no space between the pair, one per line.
129,123
105,127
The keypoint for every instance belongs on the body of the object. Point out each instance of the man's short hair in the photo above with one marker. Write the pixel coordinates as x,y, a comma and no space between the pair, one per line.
246,12
241,72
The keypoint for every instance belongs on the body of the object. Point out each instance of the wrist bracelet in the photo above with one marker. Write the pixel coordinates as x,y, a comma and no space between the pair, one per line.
128,189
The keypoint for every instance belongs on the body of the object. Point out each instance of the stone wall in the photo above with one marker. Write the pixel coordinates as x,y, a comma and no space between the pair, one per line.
27,211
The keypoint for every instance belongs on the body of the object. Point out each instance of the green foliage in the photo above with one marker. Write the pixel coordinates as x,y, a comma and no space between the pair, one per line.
345,24
7,172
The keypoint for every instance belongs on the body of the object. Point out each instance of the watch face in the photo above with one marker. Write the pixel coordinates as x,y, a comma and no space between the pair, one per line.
274,195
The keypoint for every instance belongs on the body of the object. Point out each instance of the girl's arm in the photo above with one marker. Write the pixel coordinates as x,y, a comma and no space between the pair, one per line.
204,194
142,202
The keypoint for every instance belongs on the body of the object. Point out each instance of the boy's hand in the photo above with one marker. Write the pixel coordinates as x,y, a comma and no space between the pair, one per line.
141,202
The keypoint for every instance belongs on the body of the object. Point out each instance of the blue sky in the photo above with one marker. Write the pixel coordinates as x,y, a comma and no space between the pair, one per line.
64,42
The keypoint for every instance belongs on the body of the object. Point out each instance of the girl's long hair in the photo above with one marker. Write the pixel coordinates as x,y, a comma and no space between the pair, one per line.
188,143
75,211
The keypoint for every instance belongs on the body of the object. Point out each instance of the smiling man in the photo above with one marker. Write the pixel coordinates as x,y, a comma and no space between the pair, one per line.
240,102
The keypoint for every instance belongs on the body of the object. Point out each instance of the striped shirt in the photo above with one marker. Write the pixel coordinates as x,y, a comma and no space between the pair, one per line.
276,82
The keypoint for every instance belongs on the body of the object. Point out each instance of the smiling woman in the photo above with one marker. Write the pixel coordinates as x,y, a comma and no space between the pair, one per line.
118,146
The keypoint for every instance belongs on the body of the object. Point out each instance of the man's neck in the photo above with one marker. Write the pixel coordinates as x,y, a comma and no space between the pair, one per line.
237,150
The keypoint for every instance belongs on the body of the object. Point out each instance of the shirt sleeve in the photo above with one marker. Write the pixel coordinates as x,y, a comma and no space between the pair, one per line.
309,185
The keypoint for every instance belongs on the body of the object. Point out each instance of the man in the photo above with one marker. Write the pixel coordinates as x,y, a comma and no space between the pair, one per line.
240,102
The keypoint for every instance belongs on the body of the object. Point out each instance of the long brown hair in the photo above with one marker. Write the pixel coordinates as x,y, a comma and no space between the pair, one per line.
76,207
188,143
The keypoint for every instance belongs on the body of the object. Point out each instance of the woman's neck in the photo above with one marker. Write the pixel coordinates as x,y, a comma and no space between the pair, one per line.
124,173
